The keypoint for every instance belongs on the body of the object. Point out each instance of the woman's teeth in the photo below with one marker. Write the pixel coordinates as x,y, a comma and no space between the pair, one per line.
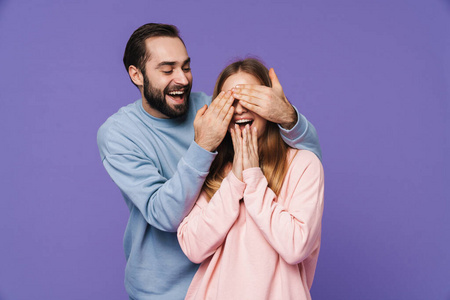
243,121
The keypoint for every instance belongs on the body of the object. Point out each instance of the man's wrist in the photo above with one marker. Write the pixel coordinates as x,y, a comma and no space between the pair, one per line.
204,146
291,120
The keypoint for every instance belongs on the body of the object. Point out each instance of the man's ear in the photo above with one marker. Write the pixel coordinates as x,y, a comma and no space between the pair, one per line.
136,75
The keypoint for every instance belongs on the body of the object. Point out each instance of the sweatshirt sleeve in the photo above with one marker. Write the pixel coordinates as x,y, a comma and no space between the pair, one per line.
302,136
163,202
207,225
292,229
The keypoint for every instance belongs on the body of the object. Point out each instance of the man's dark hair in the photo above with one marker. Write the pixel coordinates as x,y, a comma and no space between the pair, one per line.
136,51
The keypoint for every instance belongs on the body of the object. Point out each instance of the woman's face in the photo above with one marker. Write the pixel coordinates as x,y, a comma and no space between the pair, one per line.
243,116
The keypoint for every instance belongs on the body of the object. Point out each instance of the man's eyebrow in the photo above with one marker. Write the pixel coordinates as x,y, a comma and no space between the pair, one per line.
172,63
165,63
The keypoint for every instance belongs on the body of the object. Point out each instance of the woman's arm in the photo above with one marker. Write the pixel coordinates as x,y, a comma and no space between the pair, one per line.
292,229
207,225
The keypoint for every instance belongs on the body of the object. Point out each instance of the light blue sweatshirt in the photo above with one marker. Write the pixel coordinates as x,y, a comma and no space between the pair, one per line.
160,171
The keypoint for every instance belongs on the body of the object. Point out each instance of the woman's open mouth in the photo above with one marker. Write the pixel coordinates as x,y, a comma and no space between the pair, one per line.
243,122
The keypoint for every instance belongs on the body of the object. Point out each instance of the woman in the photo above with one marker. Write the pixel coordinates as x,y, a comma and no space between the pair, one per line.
256,226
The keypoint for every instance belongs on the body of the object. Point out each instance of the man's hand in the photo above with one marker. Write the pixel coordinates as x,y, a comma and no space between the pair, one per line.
269,103
211,123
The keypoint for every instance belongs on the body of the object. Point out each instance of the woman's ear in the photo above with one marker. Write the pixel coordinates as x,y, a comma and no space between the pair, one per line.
136,75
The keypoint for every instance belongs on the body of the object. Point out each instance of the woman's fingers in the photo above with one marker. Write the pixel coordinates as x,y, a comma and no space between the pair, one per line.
255,139
250,148
246,154
237,144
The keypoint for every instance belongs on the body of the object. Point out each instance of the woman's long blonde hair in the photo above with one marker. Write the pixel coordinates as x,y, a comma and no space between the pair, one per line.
271,147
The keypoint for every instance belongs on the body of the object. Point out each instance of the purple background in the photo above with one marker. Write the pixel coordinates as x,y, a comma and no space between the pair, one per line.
372,76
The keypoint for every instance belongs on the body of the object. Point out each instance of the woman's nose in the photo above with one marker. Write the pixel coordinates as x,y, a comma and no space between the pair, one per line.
238,108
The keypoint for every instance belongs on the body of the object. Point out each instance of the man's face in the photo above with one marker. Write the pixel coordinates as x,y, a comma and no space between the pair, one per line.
167,78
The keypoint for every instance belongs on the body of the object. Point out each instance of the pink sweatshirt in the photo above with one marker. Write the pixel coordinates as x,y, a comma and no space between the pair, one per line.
264,247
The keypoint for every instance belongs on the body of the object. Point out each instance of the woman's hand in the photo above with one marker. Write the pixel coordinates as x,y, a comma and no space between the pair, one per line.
250,148
238,147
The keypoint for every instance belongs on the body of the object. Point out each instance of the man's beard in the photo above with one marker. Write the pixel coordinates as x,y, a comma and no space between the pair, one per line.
157,99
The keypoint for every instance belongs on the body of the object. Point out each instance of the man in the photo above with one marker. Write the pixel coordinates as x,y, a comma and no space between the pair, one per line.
158,151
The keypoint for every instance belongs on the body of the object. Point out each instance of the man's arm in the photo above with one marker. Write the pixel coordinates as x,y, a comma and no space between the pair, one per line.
164,202
302,135
272,105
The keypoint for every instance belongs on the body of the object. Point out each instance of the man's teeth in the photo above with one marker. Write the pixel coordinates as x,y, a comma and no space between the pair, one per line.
174,93
243,121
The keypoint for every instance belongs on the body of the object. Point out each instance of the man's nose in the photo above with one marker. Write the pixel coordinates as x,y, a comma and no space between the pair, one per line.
181,78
